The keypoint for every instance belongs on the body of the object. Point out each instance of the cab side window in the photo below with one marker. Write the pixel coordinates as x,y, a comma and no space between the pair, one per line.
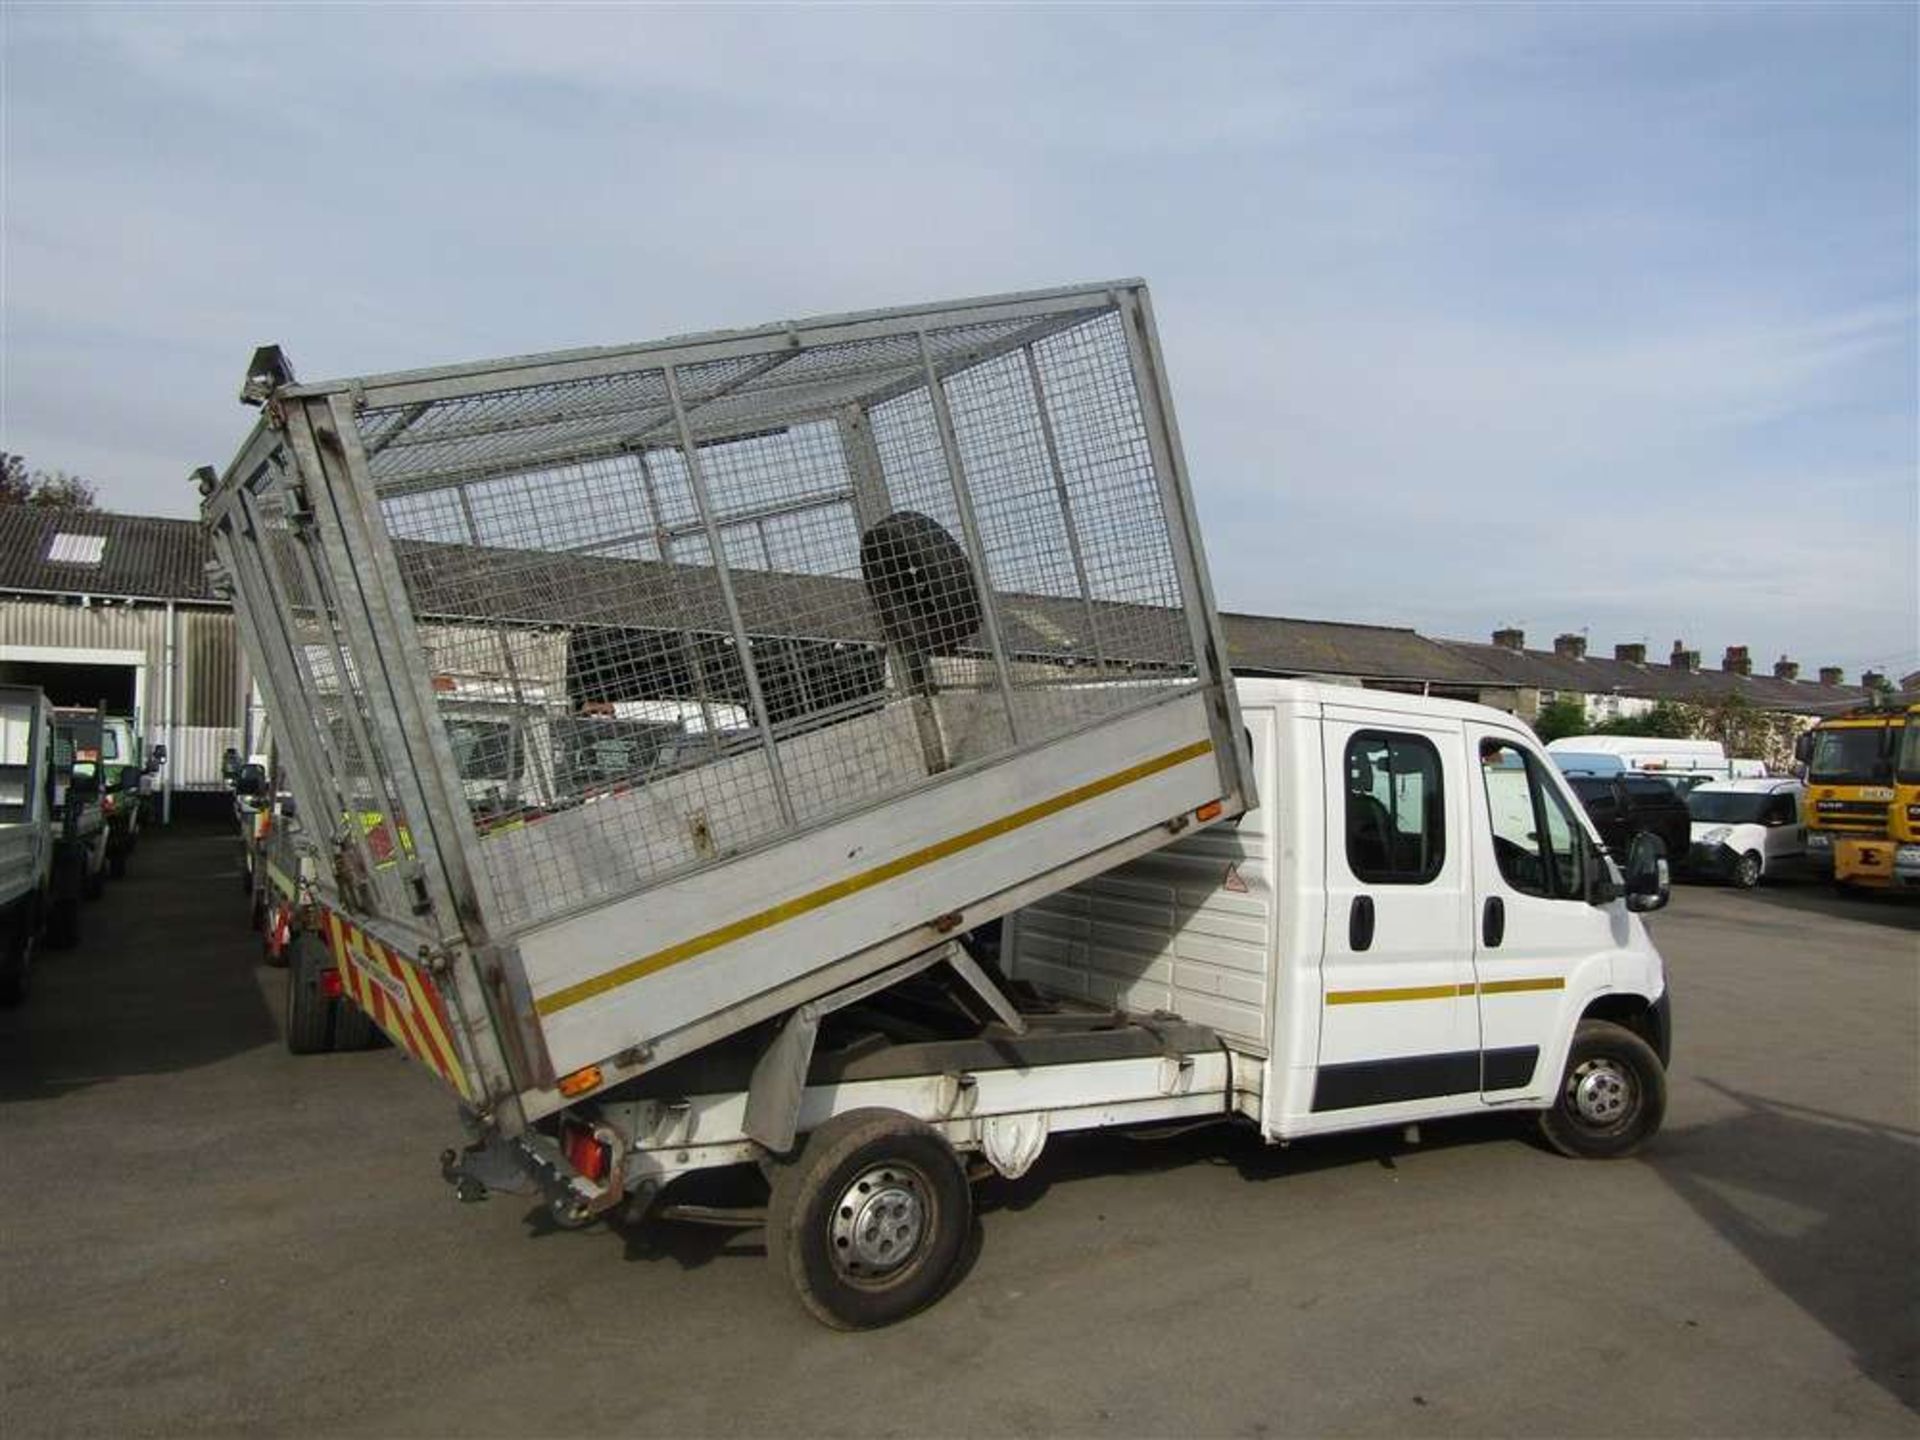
1396,819
1536,840
1781,811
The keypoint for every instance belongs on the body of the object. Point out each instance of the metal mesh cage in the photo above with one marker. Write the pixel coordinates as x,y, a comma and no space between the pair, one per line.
682,610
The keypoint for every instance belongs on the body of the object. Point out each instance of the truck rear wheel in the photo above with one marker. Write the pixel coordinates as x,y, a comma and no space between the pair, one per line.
1612,1098
16,956
869,1223
309,1009
63,923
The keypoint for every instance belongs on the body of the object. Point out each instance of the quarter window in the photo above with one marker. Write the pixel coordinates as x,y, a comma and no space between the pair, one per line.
1396,817
1535,837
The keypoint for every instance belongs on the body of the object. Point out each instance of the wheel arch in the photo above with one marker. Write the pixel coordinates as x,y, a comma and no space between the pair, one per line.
1649,1019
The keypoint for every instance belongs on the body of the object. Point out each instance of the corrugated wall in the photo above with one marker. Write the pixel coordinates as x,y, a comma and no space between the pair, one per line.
207,697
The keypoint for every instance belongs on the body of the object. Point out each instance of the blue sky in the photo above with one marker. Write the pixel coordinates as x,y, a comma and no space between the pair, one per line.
1579,318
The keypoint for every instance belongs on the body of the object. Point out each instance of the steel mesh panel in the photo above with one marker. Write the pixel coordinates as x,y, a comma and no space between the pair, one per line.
623,707
367,812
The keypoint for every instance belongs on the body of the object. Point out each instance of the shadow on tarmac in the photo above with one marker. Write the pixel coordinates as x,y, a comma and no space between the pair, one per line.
1827,1208
163,978
1894,910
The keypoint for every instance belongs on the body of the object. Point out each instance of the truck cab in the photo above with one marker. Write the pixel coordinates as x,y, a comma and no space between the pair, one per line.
1861,813
1418,920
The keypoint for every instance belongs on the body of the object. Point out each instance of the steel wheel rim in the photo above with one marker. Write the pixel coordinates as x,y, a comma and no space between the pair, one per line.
1749,872
881,1223
1602,1094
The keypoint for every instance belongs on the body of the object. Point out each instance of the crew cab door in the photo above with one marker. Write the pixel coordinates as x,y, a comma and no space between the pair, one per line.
1398,1021
1537,940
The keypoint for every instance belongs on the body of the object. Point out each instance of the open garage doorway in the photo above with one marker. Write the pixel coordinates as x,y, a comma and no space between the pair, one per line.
113,678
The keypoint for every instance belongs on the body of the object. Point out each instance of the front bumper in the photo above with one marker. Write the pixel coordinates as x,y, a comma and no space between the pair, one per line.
1716,861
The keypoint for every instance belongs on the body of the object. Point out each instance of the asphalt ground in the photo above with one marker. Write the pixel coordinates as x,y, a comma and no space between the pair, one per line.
206,1235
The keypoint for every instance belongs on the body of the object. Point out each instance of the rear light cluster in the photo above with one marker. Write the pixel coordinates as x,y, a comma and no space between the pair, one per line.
330,987
591,1157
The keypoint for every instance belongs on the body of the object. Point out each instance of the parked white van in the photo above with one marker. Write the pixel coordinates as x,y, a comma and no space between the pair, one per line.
1678,760
1744,829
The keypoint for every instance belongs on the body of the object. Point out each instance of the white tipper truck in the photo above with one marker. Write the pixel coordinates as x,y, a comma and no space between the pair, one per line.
933,580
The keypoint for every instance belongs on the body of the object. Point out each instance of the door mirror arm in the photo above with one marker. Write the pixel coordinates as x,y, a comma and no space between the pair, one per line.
1648,878
1603,880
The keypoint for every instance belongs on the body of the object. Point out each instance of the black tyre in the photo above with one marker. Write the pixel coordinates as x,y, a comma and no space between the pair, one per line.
920,582
1747,871
1613,1095
310,1012
63,923
353,1028
869,1224
16,958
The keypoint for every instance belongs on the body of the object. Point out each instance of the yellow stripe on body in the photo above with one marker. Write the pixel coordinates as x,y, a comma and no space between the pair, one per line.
1515,987
752,924
1412,992
1444,992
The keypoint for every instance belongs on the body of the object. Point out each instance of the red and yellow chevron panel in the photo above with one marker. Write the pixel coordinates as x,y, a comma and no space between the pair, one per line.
400,997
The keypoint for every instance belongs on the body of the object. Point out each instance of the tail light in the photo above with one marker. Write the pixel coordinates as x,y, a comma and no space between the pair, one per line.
330,987
590,1157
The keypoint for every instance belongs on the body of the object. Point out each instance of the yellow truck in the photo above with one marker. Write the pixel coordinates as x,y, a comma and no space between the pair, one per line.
1863,797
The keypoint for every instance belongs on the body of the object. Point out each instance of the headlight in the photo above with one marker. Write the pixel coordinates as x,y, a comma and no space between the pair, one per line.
1819,840
1716,835
1907,855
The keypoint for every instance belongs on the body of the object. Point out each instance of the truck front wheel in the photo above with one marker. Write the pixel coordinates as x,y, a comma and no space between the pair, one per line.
1612,1098
869,1224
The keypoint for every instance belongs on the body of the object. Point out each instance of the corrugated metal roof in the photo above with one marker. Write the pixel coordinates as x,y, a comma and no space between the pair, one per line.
139,555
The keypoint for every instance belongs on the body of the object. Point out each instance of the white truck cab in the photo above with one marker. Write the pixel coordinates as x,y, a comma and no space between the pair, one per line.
1414,922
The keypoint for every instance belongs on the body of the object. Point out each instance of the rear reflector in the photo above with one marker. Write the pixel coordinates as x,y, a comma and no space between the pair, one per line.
587,1155
1209,811
580,1081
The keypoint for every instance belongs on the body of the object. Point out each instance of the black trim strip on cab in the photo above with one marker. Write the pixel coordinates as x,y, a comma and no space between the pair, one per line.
1420,1077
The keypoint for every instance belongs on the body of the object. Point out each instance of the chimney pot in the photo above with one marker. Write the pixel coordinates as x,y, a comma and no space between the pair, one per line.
1831,675
1683,658
1510,639
1873,680
1570,647
1785,669
1630,654
1736,661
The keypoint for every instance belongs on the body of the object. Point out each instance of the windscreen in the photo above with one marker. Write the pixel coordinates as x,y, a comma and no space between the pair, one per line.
1727,807
1849,756
1910,753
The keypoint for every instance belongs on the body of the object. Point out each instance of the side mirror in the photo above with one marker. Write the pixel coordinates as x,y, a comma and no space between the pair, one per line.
287,808
1649,883
1803,746
250,781
156,757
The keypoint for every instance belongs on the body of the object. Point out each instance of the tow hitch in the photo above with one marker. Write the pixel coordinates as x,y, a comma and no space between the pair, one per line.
537,1165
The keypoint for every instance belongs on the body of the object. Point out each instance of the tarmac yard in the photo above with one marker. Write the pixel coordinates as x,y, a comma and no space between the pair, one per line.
206,1235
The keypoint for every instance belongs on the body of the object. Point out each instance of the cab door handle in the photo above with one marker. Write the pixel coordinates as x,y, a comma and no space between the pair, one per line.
1493,922
1360,923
